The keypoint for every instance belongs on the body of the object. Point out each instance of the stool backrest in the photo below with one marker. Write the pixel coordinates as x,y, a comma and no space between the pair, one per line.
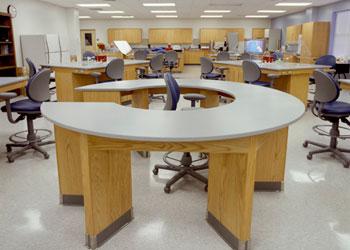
327,88
115,69
31,67
223,56
38,86
206,65
157,62
173,92
141,54
171,57
251,71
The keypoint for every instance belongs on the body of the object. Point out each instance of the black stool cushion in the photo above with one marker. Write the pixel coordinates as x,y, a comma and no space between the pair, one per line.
26,105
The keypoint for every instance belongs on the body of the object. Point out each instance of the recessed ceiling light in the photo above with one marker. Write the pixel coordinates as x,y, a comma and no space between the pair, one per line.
122,17
166,16
256,16
217,11
211,16
272,11
89,5
110,11
84,17
163,11
294,4
159,4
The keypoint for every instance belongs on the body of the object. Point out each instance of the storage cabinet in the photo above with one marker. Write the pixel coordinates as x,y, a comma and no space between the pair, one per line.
258,33
192,56
7,46
293,33
173,36
315,41
132,35
219,34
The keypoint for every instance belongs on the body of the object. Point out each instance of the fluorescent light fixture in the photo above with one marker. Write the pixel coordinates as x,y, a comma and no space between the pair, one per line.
84,17
256,16
159,4
272,11
211,16
166,16
163,11
110,11
92,5
122,17
217,11
292,4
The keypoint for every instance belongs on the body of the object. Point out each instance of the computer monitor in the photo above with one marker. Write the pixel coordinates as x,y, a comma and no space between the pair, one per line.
254,46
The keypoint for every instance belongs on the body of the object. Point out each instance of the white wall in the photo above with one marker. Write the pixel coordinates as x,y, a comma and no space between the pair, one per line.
36,17
101,26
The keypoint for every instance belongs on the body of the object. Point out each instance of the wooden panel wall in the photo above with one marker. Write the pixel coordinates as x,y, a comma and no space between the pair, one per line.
258,33
315,39
173,36
219,34
293,33
132,35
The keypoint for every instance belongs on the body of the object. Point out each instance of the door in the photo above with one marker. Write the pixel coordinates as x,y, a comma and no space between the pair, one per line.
88,40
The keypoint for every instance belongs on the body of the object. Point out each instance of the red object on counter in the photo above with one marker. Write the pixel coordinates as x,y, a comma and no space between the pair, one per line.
101,58
267,59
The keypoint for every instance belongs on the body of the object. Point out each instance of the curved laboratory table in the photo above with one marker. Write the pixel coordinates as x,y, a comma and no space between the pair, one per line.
95,140
294,77
75,74
13,83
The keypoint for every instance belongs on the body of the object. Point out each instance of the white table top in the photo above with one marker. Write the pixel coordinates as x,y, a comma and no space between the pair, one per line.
278,66
91,65
4,81
346,81
256,110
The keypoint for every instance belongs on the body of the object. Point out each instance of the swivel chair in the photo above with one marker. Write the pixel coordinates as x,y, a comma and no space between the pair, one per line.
37,91
328,60
186,165
326,107
252,74
223,56
171,60
114,71
88,55
207,70
141,54
156,64
33,71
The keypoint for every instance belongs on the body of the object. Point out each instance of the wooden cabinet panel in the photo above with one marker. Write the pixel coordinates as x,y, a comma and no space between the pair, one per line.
258,33
293,33
193,56
132,36
219,34
173,36
315,39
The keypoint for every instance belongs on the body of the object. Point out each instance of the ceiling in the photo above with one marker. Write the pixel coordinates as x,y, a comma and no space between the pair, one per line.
188,9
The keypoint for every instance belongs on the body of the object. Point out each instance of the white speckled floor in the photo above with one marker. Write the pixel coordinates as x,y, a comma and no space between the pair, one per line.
313,212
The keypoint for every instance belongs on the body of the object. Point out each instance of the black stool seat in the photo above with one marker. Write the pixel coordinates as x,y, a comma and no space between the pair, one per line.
26,105
336,108
263,84
197,97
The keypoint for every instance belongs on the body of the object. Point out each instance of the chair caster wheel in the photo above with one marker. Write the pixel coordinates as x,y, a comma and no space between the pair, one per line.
155,171
305,144
46,156
206,188
309,157
167,190
10,159
8,149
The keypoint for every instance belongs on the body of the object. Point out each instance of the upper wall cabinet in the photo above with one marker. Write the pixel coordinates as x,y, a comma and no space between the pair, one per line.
132,36
293,33
173,36
219,34
258,33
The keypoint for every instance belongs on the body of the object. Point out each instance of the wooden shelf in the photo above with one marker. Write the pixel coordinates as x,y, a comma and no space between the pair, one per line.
7,67
7,55
5,27
5,42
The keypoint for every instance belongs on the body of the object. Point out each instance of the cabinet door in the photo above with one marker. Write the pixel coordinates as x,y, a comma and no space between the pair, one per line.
258,33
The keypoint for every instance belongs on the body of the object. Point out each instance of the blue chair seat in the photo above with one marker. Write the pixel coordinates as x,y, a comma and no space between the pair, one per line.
337,108
24,106
263,84
212,76
152,76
